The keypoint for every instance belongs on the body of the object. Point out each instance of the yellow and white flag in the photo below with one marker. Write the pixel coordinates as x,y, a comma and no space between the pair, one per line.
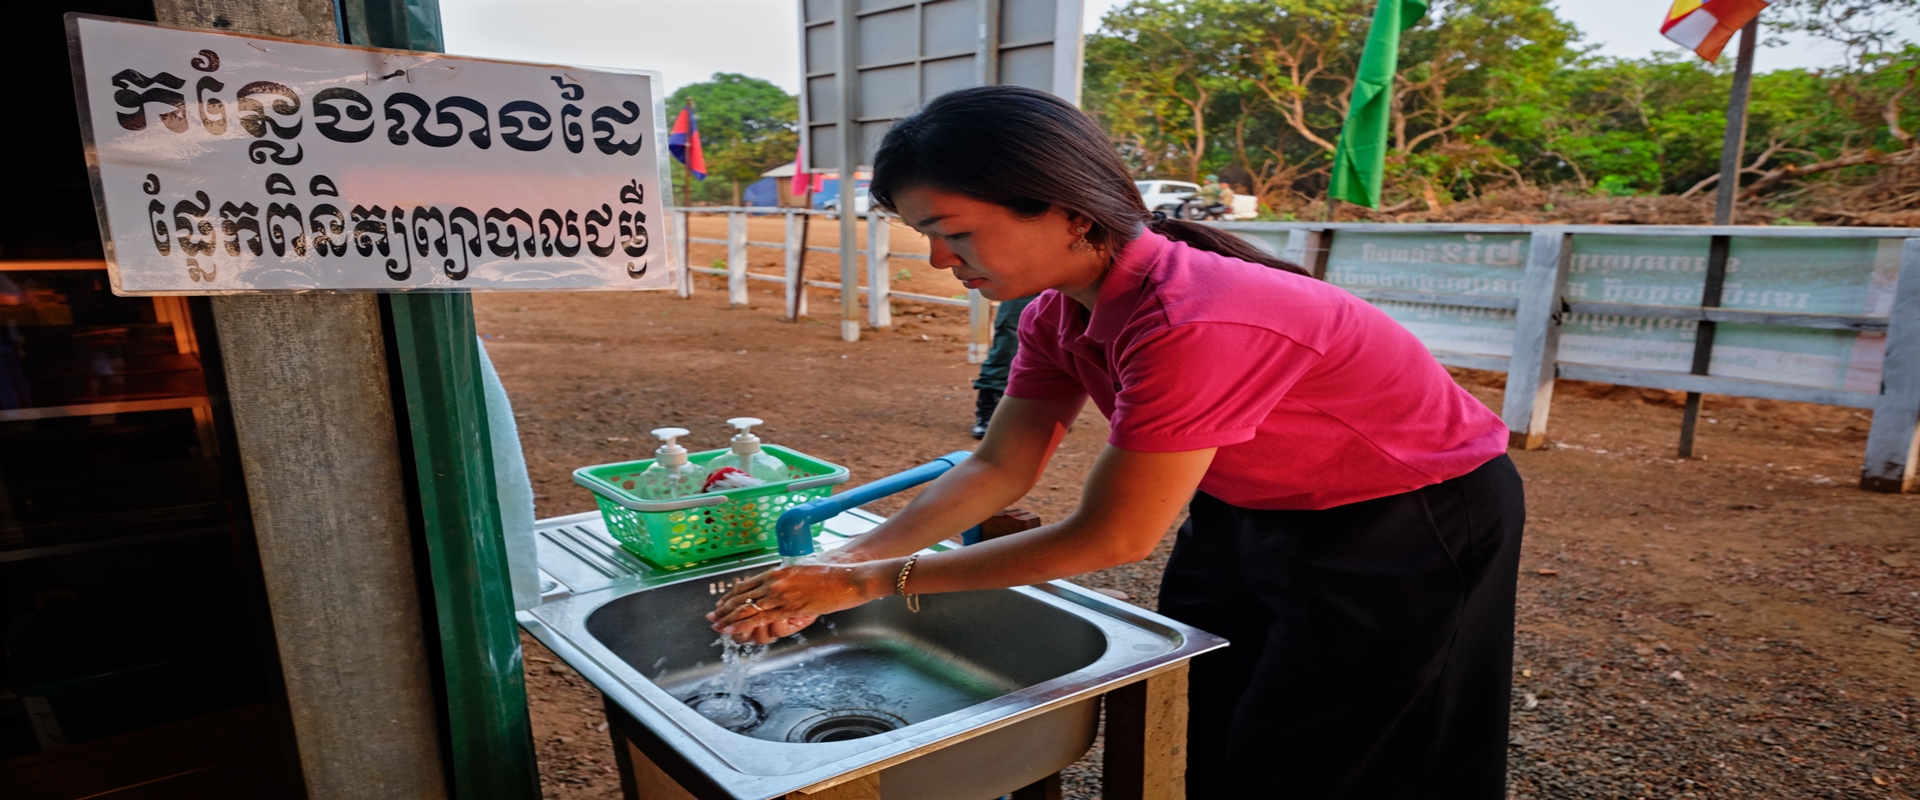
1704,26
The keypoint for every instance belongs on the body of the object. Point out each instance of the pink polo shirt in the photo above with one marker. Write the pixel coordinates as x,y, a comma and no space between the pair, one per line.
1314,398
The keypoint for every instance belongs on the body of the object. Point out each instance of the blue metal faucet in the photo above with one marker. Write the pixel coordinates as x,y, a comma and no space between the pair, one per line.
795,528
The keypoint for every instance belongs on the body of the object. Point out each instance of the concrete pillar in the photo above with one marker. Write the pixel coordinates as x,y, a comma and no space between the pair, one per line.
313,409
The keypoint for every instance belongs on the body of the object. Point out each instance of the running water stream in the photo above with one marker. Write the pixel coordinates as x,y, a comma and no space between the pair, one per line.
726,702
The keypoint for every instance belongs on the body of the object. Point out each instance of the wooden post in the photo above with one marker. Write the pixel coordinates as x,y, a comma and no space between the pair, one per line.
1893,443
1733,143
879,281
683,244
737,259
979,326
1309,248
796,266
1703,336
1146,744
314,417
1536,339
1732,147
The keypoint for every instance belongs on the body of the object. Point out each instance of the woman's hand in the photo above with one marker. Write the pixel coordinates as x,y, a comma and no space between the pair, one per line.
780,602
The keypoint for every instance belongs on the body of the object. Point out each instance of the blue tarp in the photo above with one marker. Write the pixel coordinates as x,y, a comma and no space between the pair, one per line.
763,192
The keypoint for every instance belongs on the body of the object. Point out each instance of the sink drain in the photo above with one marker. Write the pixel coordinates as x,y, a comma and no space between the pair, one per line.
840,726
735,712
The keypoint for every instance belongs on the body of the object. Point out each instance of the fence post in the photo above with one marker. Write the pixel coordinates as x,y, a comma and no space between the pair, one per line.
736,258
979,326
1536,338
1309,249
1893,442
879,282
796,266
683,243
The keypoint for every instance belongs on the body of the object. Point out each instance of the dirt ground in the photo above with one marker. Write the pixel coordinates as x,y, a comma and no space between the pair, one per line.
1742,624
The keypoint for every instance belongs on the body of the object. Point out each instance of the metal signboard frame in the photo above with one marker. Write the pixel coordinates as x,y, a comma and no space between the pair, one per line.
906,52
866,63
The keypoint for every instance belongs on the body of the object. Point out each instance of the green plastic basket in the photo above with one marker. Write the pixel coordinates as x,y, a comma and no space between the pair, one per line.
679,533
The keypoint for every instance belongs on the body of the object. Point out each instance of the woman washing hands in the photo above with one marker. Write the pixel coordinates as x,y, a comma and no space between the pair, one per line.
1353,521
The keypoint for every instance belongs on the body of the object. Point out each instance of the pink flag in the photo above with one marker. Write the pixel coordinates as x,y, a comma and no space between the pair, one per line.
802,182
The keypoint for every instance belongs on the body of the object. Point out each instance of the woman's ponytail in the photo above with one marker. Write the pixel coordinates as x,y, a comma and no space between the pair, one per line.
1214,240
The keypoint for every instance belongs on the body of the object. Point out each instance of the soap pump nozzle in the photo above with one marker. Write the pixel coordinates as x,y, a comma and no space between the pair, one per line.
671,454
744,442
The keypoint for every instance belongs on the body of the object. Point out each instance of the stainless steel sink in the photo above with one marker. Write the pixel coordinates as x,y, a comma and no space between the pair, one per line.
986,691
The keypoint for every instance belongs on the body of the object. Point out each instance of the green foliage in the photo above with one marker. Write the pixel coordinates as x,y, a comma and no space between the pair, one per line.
1490,94
747,126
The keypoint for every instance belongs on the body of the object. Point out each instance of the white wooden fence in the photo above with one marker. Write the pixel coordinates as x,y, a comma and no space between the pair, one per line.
1534,293
878,291
1541,305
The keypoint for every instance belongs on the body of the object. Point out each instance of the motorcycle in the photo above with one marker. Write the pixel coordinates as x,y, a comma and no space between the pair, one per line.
1198,211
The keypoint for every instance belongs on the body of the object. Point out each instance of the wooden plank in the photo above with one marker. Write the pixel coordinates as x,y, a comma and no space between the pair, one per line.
51,265
1472,360
1437,298
1536,339
1842,322
1708,384
927,298
796,277
1893,443
879,278
94,409
737,259
865,787
1146,739
650,782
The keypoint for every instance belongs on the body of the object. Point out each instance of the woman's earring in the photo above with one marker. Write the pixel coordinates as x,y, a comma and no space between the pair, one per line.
1083,245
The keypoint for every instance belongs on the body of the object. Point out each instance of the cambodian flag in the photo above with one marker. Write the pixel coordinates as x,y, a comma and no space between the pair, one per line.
684,143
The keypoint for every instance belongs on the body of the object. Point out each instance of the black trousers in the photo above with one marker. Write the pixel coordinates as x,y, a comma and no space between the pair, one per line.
1372,651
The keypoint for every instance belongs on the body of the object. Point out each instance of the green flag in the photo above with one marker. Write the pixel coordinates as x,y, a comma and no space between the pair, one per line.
1361,156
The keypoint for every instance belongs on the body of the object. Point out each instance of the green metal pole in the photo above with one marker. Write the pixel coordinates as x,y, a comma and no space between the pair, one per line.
490,737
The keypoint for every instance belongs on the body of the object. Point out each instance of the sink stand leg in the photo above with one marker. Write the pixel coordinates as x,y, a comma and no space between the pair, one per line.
1146,739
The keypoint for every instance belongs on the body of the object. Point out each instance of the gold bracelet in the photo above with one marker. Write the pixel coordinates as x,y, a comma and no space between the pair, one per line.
900,584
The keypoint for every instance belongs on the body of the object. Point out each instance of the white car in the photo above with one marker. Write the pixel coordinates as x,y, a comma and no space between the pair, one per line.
1166,195
860,202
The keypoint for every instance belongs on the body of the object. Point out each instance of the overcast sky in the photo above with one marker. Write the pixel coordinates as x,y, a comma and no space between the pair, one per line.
689,40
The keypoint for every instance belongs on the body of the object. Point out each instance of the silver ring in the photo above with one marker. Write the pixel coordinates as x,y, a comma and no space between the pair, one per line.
753,605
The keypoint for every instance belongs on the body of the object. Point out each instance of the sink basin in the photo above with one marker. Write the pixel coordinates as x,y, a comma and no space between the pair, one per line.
978,694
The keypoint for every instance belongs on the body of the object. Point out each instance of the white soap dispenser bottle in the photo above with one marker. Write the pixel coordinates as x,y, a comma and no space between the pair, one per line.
747,456
670,475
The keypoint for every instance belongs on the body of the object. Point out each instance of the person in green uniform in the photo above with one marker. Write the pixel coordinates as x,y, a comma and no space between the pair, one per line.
992,383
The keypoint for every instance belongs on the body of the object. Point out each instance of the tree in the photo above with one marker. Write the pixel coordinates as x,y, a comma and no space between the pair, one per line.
1493,94
747,126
